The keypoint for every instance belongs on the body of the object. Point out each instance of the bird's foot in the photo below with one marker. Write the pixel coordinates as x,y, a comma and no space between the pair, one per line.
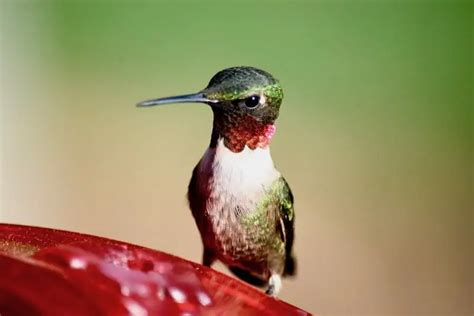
274,285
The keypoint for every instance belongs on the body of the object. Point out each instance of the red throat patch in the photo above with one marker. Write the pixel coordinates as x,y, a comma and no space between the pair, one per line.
239,132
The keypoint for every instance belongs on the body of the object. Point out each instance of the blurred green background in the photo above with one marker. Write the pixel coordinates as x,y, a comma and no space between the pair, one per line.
374,136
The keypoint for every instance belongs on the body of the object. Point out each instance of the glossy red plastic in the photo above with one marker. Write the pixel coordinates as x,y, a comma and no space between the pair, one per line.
53,272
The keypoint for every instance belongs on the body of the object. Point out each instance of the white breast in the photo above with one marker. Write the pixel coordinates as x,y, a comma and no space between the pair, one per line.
238,178
235,184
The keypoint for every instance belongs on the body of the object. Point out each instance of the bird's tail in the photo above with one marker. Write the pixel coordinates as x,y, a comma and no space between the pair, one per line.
247,277
290,266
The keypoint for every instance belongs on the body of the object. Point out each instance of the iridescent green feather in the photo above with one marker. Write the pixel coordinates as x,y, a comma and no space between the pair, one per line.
275,208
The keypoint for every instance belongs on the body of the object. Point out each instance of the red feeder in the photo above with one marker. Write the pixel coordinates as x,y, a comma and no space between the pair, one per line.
52,272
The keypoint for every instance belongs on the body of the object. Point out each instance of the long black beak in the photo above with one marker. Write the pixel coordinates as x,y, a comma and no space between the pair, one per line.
187,98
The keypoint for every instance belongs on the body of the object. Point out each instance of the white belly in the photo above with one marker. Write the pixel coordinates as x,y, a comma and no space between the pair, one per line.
236,184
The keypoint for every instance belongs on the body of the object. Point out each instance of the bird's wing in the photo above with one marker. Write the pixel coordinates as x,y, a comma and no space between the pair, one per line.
285,224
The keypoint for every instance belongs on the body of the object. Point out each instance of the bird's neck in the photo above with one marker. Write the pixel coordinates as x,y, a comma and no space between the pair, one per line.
239,130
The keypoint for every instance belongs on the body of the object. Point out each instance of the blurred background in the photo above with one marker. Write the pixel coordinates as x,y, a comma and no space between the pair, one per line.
374,136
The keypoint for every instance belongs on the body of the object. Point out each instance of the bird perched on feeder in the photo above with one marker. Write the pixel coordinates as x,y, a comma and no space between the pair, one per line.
242,205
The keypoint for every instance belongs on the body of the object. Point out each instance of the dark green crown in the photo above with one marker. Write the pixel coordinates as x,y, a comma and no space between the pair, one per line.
237,82
241,79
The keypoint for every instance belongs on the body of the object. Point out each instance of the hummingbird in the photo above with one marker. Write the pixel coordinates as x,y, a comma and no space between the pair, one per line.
242,205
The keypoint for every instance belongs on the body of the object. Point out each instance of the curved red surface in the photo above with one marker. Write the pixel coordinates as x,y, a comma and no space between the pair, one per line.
52,272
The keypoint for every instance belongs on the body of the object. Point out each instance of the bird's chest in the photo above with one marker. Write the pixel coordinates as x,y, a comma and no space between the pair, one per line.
235,184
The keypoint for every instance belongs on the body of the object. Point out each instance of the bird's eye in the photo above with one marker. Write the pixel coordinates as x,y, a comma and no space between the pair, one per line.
252,101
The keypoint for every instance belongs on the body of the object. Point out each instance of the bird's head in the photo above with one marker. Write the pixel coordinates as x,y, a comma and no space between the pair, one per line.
245,101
